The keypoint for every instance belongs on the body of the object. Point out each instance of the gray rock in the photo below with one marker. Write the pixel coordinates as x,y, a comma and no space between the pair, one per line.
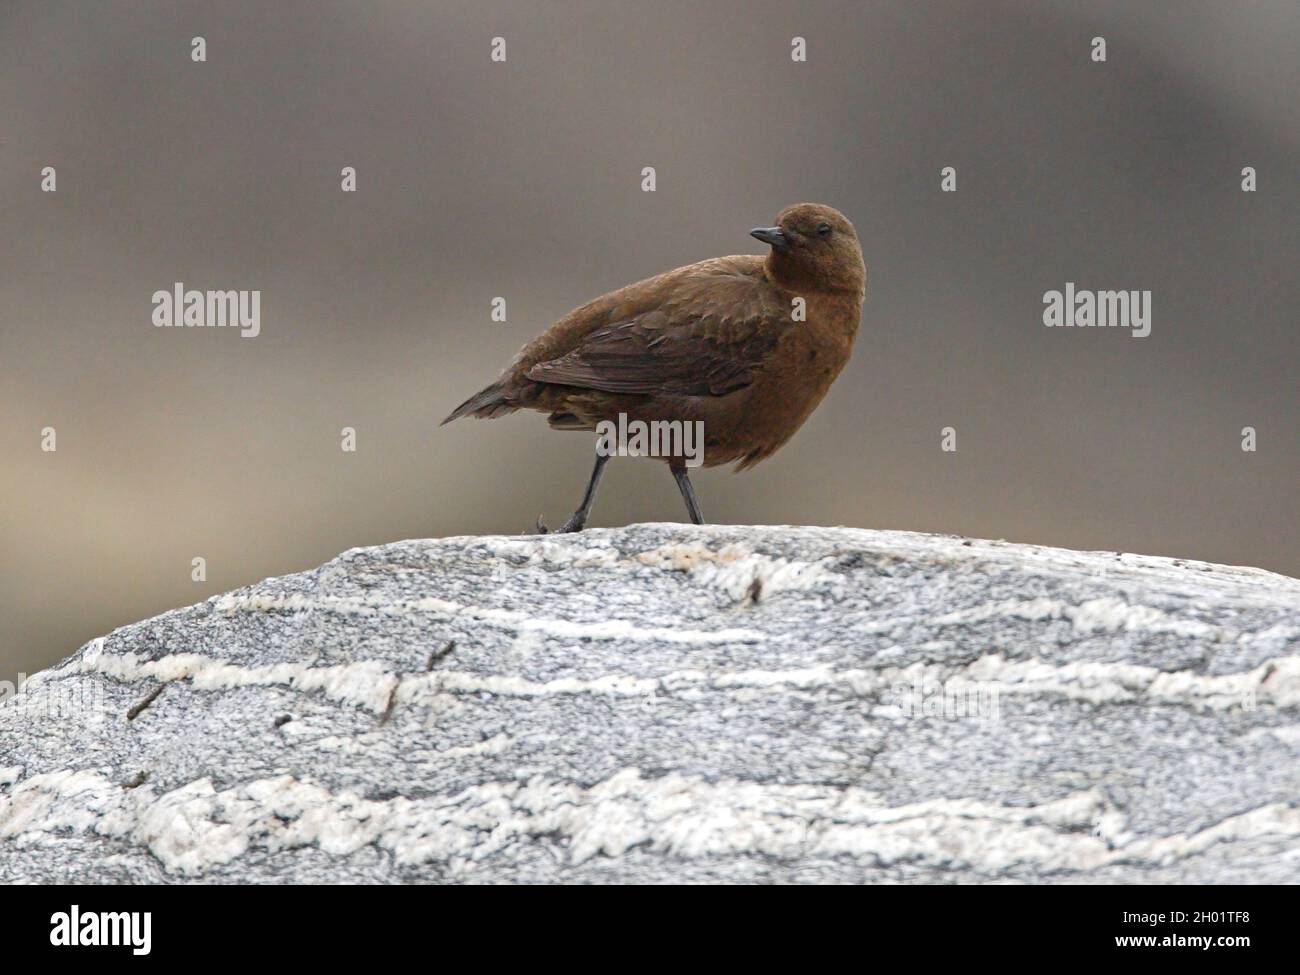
670,703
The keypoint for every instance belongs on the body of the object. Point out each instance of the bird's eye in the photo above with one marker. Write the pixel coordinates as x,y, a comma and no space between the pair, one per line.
823,230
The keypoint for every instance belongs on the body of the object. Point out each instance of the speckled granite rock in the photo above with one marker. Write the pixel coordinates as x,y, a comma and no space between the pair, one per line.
670,703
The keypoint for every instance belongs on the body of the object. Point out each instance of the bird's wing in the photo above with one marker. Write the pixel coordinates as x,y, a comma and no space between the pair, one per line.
705,337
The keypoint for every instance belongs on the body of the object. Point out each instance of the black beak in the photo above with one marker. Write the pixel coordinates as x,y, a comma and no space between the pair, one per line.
774,236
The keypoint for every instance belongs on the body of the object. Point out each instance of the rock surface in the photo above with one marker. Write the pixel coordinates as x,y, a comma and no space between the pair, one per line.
670,703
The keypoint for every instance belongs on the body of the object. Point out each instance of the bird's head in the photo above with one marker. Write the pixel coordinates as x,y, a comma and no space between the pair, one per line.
814,246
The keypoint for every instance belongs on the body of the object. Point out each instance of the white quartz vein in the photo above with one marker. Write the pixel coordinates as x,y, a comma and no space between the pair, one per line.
370,684
197,827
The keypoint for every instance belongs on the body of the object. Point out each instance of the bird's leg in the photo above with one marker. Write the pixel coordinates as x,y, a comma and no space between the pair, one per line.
579,518
688,495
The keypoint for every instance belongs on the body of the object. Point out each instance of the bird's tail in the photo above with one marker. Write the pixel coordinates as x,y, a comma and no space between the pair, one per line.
485,404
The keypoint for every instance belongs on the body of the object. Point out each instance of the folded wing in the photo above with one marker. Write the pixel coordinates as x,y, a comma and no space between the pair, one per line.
706,337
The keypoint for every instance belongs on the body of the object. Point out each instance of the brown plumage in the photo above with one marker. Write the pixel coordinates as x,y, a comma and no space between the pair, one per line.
716,341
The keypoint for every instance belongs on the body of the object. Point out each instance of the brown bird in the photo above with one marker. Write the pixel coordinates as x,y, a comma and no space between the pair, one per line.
748,345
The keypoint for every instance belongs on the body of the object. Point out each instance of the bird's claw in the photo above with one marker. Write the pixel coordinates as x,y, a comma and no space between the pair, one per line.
574,524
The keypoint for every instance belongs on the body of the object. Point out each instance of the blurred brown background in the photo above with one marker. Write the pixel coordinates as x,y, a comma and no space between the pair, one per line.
522,179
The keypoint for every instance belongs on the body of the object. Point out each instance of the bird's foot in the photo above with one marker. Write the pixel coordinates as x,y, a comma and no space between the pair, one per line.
575,524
